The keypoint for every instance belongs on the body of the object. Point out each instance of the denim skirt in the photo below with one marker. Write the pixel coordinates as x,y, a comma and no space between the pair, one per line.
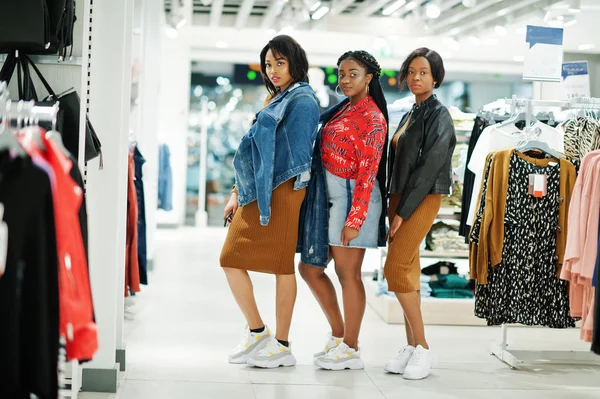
340,192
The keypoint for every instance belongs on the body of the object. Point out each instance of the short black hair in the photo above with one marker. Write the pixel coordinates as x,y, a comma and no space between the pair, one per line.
435,61
286,46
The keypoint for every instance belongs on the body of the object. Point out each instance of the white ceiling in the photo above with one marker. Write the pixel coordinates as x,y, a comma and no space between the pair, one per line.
466,36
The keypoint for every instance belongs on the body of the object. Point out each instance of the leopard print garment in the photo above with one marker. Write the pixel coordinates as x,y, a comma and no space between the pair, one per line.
524,288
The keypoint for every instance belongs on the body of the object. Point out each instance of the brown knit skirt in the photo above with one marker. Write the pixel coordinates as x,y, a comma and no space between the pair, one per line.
266,249
403,264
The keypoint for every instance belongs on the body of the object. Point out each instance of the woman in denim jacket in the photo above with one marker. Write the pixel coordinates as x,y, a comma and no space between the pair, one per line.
344,212
272,170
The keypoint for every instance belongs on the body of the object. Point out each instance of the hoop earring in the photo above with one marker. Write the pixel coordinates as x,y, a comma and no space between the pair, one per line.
336,91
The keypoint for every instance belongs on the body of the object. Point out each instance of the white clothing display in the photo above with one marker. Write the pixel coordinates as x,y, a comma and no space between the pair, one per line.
498,137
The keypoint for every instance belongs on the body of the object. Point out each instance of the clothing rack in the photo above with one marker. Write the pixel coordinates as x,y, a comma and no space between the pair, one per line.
514,358
30,114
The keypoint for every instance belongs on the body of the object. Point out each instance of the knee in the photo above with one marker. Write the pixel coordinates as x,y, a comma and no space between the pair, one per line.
348,276
310,273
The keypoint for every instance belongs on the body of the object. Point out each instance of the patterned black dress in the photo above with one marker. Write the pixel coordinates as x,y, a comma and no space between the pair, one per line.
524,287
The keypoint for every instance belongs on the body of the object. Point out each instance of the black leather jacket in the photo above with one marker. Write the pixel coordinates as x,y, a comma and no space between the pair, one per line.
422,162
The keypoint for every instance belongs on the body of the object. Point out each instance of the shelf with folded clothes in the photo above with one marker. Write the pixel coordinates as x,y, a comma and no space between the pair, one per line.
435,311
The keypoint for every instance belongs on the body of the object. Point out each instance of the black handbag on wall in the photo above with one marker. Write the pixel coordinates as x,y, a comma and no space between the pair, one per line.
69,106
37,26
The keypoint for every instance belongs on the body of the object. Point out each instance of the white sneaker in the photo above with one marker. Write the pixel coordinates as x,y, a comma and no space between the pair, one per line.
332,342
398,364
250,344
340,358
273,355
419,365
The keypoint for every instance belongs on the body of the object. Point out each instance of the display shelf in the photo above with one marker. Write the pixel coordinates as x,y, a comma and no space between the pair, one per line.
445,254
436,311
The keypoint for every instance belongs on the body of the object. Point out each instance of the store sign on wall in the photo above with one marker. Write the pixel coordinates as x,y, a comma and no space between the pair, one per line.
576,79
544,56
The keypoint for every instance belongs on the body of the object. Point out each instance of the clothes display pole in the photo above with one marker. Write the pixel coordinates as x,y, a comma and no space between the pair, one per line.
109,89
514,358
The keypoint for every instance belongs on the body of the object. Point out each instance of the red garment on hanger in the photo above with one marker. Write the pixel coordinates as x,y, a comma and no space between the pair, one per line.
132,269
75,296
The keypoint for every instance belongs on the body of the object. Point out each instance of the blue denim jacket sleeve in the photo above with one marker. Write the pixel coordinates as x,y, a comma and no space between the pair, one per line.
263,160
313,229
301,116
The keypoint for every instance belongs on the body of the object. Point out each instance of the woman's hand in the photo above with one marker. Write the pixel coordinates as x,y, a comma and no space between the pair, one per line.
231,207
396,223
348,234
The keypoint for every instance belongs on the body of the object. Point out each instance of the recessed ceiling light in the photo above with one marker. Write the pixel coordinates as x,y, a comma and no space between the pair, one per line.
501,30
560,17
315,6
433,11
389,10
411,6
320,13
570,23
586,46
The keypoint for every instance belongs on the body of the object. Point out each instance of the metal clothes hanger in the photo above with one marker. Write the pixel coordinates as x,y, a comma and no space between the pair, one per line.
8,141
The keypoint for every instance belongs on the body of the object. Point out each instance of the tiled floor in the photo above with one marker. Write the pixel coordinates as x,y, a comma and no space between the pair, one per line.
180,329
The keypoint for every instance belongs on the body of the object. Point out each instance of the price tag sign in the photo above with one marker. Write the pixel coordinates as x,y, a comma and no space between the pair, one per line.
544,56
538,185
576,79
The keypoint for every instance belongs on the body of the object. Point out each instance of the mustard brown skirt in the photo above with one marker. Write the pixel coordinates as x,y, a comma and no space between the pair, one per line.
265,249
403,264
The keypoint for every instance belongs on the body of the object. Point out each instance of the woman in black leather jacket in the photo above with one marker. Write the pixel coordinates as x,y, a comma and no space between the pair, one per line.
420,173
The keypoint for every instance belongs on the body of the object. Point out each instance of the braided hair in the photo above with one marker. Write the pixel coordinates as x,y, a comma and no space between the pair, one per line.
370,63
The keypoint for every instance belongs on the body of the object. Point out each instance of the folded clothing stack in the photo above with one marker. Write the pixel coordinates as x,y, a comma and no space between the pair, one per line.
450,286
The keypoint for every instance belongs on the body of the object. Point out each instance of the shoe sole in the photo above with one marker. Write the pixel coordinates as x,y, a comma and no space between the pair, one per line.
394,371
409,377
354,364
287,361
244,359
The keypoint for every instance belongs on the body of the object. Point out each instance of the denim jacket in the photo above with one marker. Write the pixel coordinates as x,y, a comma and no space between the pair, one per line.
313,229
277,147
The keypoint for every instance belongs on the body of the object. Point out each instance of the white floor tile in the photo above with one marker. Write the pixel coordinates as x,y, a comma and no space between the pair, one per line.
185,390
265,391
180,329
310,375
